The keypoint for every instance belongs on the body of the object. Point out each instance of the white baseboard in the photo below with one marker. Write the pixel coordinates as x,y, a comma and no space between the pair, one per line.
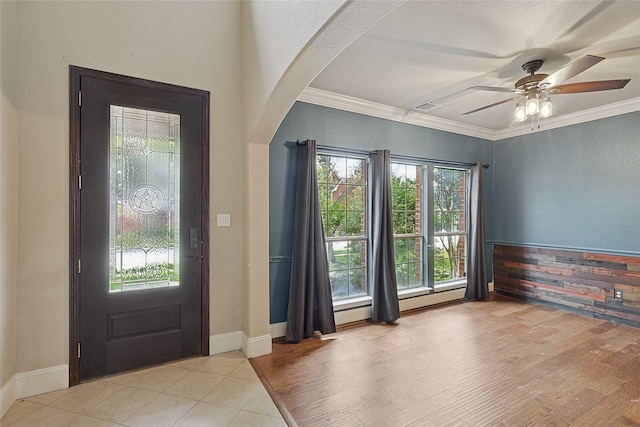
257,346
352,315
431,299
278,329
7,395
363,313
225,342
42,381
251,347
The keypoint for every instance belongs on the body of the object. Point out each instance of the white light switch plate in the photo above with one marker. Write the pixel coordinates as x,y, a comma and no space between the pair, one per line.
224,220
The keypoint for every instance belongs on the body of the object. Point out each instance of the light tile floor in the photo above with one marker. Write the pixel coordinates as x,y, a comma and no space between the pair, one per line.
220,390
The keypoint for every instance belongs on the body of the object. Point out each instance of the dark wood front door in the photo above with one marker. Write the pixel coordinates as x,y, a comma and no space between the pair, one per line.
139,231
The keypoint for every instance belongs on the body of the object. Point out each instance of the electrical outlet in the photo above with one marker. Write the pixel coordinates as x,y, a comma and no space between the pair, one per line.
617,293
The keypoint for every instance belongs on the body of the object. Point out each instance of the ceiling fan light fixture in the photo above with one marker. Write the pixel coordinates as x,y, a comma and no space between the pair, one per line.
533,90
521,112
546,108
532,106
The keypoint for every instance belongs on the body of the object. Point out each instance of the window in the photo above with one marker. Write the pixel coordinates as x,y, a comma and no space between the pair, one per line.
429,225
443,266
406,185
449,226
144,208
342,193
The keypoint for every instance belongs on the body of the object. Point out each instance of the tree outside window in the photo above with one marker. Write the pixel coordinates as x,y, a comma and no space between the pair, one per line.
447,215
406,188
342,193
449,188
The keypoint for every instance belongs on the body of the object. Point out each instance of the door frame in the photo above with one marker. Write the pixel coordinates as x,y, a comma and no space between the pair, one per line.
75,75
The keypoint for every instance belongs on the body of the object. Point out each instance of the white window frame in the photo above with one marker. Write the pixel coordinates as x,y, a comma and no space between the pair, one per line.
422,288
426,233
361,299
454,283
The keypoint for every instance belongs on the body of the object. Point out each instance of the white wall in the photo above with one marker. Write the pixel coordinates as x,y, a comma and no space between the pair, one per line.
195,44
8,202
274,35
285,45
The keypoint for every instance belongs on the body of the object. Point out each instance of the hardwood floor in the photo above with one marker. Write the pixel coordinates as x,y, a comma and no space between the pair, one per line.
500,362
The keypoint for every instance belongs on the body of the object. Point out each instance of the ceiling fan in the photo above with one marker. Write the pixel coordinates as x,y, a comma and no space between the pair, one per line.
534,90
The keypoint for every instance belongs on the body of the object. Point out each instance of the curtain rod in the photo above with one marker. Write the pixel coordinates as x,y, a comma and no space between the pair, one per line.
435,161
343,150
398,157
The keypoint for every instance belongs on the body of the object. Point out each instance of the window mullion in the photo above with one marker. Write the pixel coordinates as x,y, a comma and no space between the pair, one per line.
428,221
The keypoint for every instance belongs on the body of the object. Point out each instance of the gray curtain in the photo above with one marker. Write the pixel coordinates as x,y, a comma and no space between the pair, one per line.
310,300
477,285
384,305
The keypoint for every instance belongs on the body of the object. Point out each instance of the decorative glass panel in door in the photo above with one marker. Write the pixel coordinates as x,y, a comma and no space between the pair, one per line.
144,187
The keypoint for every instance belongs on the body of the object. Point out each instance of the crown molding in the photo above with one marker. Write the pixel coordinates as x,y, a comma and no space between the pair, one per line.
368,108
597,113
356,105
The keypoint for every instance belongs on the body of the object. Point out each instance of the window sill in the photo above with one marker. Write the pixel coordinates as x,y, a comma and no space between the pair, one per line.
414,292
365,301
447,286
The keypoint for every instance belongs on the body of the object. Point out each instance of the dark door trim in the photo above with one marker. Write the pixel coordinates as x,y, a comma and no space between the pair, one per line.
75,75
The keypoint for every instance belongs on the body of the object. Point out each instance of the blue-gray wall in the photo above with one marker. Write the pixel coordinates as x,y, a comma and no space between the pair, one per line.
341,129
575,187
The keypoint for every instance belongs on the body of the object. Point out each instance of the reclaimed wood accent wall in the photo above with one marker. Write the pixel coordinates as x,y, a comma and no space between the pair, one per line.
580,282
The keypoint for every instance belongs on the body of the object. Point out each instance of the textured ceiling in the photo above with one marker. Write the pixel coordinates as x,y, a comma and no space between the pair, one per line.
432,51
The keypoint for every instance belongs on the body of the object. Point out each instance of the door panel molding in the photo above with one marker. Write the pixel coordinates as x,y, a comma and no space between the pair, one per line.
75,76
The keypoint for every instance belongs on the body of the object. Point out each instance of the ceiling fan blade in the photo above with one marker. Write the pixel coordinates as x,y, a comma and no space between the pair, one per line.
492,88
589,86
621,53
570,70
489,106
